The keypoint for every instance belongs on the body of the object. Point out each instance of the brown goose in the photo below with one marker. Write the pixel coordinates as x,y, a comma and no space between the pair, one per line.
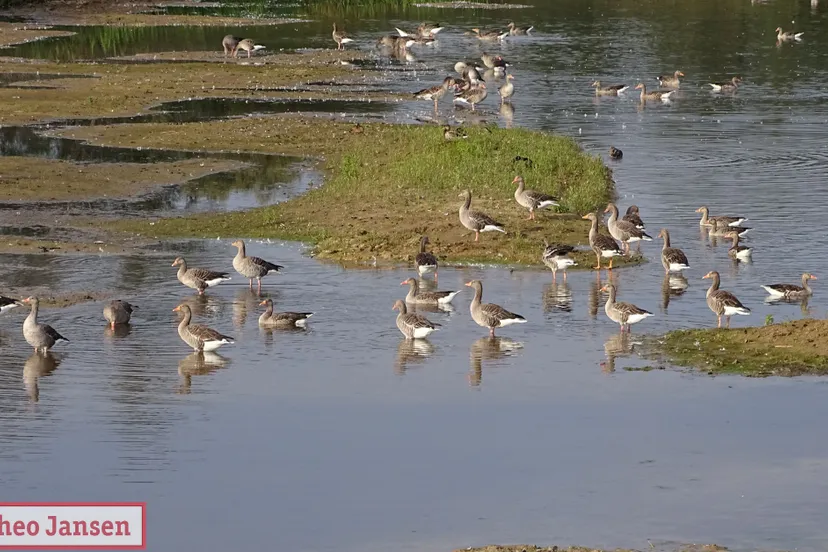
730,86
252,267
615,153
623,231
413,325
602,245
248,46
425,261
282,319
198,278
490,36
555,257
738,252
662,95
475,220
672,259
436,93
515,30
670,81
782,36
791,291
490,315
493,61
229,44
200,338
451,134
469,73
634,217
40,336
707,220
624,314
531,199
473,95
507,90
417,297
118,312
340,38
611,90
723,303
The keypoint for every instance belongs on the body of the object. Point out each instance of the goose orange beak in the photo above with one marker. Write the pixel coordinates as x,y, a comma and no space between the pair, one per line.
468,284
813,277
176,309
585,217
263,303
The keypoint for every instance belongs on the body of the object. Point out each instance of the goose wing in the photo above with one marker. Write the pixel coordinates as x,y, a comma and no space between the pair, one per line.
628,309
726,299
482,219
265,265
606,243
495,314
538,197
557,250
53,333
634,219
675,256
631,229
205,334
785,288
414,321
205,275
425,259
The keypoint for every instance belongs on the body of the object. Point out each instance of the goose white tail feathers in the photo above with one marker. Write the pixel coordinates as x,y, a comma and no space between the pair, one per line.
435,30
447,299
258,47
666,96
730,311
715,86
622,89
773,292
493,228
346,40
402,32
797,36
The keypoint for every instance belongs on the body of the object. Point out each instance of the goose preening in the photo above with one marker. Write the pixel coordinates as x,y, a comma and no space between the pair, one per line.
436,93
475,220
340,38
791,291
738,252
118,312
417,297
672,259
555,257
425,261
663,95
783,36
507,90
248,46
722,303
489,315
623,231
611,90
634,216
472,96
282,319
40,336
604,246
624,314
670,81
722,220
424,31
200,338
730,86
493,61
531,199
413,325
7,304
514,30
451,134
615,153
252,267
229,44
490,36
198,278
469,73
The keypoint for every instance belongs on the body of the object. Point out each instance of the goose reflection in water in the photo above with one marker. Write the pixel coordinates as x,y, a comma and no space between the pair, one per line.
411,351
594,297
617,345
119,331
507,111
37,366
557,297
198,364
673,285
489,349
803,303
246,301
445,308
200,305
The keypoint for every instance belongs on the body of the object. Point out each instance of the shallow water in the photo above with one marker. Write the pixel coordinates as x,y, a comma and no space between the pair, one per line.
345,437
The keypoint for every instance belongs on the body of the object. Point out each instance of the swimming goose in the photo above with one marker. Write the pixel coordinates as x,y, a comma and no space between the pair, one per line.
634,217
7,304
615,153
721,220
726,86
739,252
611,90
248,46
450,134
283,319
252,267
200,338
664,96
624,314
515,30
417,297
723,303
198,278
40,336
436,93
555,257
623,231
423,31
340,38
493,61
791,291
473,95
490,36
489,315
425,261
603,246
670,81
118,312
672,259
507,90
229,43
413,325
531,199
475,220
782,36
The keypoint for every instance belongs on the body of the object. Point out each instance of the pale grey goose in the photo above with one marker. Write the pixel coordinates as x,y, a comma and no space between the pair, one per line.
672,259
604,246
118,312
624,231
417,297
252,267
531,199
475,220
624,314
282,319
490,315
40,336
555,257
198,278
200,338
412,325
791,291
722,303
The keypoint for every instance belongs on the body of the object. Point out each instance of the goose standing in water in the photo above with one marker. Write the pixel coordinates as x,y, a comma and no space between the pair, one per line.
555,257
413,325
198,278
200,338
672,259
603,246
282,319
252,267
229,44
623,231
791,291
739,252
40,336
624,314
634,217
489,315
507,90
436,93
475,220
473,95
722,303
118,312
417,297
340,38
425,261
531,199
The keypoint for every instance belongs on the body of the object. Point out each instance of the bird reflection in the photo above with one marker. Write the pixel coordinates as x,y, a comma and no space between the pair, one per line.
269,332
594,297
246,302
673,285
507,111
617,345
198,364
119,331
411,351
37,366
444,308
557,297
489,349
803,303
199,304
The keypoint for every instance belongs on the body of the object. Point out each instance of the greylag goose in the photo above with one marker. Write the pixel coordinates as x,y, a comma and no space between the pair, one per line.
662,95
623,231
783,36
252,267
425,261
672,259
472,96
633,216
722,303
248,46
436,93
507,90
468,72
603,246
40,336
670,81
531,199
424,31
730,86
489,315
413,325
555,257
493,61
490,36
728,231
707,220
200,338
791,291
118,312
417,297
198,278
229,44
624,314
451,134
283,319
738,252
615,153
7,304
475,220
340,38
515,30
611,90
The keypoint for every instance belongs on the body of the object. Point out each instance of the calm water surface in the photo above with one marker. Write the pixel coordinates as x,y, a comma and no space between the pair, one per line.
344,437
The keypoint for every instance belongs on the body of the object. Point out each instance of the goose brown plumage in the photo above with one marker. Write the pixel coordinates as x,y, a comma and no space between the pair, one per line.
672,259
473,96
417,297
633,216
507,90
413,325
730,86
670,81
601,244
252,267
722,220
229,44
198,279
282,319
555,257
663,95
738,252
611,90
622,313
436,93
722,303
489,315
425,261
791,291
782,36
475,220
531,199
248,46
490,36
624,231
514,30
340,38
118,312
200,338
